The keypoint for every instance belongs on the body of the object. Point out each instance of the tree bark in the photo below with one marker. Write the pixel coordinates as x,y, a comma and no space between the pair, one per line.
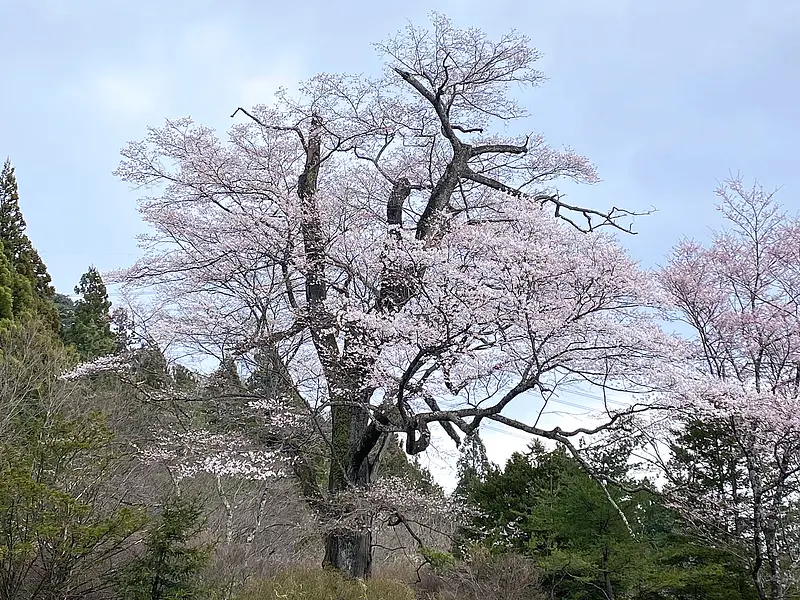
349,549
758,528
350,552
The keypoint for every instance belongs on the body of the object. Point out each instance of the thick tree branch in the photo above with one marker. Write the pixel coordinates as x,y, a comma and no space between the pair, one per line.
467,129
435,100
442,192
594,218
501,148
295,129
318,316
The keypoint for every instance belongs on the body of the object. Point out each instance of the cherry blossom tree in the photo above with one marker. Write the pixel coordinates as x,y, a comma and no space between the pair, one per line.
739,483
402,265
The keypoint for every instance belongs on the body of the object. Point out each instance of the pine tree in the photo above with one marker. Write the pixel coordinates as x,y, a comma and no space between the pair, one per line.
544,505
170,567
472,468
66,310
6,289
90,331
12,223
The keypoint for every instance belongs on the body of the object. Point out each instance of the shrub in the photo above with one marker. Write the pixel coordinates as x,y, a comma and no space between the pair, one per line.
484,576
58,536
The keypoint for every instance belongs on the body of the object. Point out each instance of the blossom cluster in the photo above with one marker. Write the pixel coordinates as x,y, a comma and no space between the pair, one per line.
280,415
192,452
103,364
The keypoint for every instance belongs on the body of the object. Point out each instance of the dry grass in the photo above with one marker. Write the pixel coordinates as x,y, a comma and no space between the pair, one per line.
320,584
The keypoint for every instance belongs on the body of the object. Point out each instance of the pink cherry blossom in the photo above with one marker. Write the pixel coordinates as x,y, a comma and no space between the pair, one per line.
410,267
742,373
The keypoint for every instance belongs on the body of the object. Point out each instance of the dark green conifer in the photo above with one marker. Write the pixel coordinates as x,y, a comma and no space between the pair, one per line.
473,464
90,330
16,245
16,293
31,293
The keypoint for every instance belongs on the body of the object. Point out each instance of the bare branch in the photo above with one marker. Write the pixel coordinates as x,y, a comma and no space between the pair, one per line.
295,129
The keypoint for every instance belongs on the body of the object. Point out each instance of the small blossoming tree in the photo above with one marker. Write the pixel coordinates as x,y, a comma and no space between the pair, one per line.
736,471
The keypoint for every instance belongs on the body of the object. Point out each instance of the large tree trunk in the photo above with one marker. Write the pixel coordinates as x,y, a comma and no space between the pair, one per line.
348,541
350,552
349,548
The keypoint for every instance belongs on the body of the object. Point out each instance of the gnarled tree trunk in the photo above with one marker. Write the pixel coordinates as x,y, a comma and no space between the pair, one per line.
350,552
349,548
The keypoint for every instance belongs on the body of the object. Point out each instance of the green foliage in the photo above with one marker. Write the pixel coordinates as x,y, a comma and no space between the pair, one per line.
17,247
22,270
171,565
90,327
545,506
706,457
54,525
146,358
706,461
437,559
324,584
6,289
31,359
66,310
16,292
395,462
473,464
12,223
45,310
59,532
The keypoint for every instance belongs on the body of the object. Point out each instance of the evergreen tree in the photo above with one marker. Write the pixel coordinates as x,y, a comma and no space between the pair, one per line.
707,464
31,290
6,289
16,294
66,310
544,505
394,462
472,465
90,330
12,223
17,246
63,526
171,565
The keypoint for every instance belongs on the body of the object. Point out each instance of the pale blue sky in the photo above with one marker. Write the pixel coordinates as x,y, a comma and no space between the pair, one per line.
665,97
